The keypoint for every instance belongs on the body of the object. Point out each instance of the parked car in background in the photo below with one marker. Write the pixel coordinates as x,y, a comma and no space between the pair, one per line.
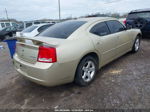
8,24
73,50
26,24
139,19
7,33
33,30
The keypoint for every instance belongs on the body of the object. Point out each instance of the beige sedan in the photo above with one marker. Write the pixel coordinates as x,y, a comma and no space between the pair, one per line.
73,51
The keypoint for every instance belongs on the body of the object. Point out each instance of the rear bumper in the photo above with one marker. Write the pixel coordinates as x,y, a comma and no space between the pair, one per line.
46,74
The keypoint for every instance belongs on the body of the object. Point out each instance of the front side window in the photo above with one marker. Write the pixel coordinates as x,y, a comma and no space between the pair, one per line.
29,29
62,30
100,29
115,26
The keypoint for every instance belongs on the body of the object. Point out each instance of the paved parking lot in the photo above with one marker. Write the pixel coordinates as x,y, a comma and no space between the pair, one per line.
124,83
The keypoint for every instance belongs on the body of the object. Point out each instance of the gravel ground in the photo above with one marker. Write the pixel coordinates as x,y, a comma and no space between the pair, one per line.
122,84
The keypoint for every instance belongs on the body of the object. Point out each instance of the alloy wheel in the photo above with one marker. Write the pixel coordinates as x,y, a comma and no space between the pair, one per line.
88,71
137,44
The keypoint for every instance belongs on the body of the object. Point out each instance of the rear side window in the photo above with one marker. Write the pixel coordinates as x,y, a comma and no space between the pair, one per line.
44,27
115,26
29,29
62,30
100,29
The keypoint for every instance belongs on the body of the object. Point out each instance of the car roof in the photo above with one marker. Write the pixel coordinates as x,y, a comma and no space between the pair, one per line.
39,25
140,10
91,19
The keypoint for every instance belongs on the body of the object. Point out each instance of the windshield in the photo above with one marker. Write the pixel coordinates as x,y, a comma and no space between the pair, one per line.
139,15
62,30
29,29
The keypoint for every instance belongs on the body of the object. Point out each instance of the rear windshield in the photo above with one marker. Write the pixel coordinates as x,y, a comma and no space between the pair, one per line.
62,30
29,29
139,15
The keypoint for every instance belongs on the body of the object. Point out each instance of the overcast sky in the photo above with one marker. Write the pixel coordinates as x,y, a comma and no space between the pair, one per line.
40,9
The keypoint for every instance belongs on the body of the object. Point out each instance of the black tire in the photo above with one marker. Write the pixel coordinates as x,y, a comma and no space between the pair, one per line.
79,72
134,48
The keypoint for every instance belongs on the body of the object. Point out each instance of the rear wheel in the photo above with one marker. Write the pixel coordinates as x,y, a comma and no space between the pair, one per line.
86,71
136,45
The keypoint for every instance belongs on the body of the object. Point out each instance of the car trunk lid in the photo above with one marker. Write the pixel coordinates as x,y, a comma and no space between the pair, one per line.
27,49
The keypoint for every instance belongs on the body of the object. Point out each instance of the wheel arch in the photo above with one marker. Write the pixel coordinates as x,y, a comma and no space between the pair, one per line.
140,35
93,54
136,33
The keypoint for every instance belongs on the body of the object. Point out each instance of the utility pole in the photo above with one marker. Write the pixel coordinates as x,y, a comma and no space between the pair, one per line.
6,14
59,10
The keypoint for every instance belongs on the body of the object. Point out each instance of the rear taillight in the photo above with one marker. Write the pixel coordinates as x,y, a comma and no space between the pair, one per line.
47,54
125,21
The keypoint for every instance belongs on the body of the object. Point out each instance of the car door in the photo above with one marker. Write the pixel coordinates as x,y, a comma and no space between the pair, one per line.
117,29
104,42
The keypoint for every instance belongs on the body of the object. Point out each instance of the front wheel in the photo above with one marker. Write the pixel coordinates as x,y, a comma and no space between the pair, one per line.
86,71
136,45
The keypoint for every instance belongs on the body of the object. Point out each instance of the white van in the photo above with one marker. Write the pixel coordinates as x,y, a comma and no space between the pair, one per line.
7,24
